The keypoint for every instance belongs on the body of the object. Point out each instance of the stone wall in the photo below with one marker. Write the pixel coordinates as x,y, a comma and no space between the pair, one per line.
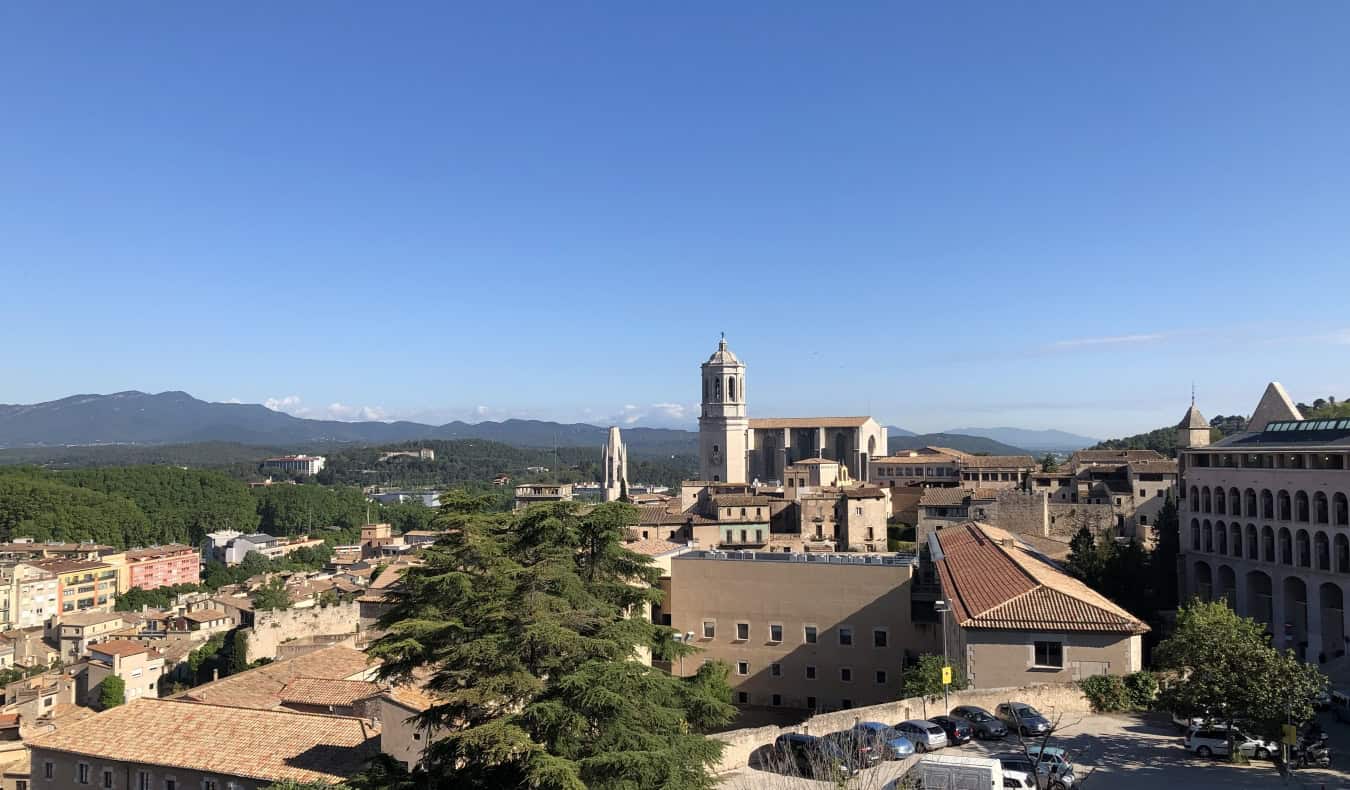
1021,512
1065,700
1067,518
270,629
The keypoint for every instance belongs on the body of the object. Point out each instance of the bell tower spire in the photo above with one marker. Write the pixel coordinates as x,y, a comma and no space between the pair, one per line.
723,429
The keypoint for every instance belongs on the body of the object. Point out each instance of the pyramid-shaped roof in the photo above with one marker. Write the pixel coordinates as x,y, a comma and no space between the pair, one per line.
1193,420
1275,405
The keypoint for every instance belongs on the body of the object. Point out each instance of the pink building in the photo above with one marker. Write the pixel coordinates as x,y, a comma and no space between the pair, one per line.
163,566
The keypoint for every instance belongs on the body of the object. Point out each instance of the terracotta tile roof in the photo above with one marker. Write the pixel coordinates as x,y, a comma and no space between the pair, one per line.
741,500
944,497
67,566
1117,456
915,460
326,691
863,492
89,618
253,744
809,422
995,585
660,515
412,697
159,551
653,547
1000,461
9,720
206,615
120,647
814,462
1154,467
261,687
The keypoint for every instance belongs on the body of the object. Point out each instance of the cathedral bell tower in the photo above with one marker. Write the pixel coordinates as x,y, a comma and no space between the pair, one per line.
723,429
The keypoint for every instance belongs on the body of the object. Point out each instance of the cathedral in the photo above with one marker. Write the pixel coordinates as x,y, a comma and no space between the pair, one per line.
733,448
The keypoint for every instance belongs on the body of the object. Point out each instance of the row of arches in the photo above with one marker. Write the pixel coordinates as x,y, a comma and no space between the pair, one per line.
1315,508
1314,627
1295,548
712,385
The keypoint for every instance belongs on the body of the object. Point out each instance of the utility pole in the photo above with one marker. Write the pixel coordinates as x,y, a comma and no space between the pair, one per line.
942,608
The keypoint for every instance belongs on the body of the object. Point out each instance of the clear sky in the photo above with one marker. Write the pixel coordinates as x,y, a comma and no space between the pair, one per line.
942,214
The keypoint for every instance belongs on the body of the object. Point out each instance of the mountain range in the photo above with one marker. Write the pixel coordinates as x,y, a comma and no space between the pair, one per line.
174,417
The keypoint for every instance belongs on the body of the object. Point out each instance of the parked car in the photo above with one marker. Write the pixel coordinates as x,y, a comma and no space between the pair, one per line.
1212,740
981,721
1340,706
1053,763
938,771
925,735
1014,762
1185,723
859,750
1022,718
885,740
958,731
812,758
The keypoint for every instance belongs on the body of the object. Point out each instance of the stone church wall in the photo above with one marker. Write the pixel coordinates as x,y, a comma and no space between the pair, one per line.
270,629
1068,518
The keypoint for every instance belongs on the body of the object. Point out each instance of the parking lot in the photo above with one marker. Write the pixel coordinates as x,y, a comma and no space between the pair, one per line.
1120,751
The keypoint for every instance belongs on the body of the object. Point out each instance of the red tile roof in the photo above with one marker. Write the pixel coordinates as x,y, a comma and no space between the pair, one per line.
326,691
261,687
993,582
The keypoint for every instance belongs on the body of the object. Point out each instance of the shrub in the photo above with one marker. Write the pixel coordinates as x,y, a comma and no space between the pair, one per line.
1141,688
1106,693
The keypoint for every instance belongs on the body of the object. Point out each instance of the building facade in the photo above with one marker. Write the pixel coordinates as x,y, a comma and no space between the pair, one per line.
163,566
1265,525
812,632
614,460
295,464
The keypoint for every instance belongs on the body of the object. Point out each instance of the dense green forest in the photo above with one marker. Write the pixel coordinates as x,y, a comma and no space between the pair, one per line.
1164,440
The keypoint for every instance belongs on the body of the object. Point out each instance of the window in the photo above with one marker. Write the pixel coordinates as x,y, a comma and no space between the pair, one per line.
810,672
1142,493
82,773
846,635
881,677
1143,520
709,629
776,700
811,703
742,631
47,769
1049,654
107,778
742,667
810,634
209,784
743,698
845,703
143,780
776,632
776,670
20,784
880,637
846,674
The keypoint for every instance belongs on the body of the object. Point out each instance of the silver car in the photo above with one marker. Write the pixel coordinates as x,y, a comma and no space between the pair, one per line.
925,735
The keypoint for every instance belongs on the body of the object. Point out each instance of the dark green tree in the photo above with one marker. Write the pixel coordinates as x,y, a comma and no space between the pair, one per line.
529,625
924,678
1048,463
238,652
1163,561
112,692
1085,560
271,596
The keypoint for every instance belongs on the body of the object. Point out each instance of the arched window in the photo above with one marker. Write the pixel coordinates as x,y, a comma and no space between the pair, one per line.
717,390
1236,532
1195,499
1301,506
1286,547
1195,535
1209,536
1267,544
1304,549
1340,509
1220,502
731,389
1267,504
1321,513
1322,548
1253,550
1286,509
1206,504
1234,502
1342,554
1250,497
1220,538
705,390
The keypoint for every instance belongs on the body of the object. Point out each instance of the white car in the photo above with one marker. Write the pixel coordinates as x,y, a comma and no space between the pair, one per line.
1185,723
1212,740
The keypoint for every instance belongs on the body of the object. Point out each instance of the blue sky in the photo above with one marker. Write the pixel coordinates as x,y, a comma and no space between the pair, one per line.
1032,214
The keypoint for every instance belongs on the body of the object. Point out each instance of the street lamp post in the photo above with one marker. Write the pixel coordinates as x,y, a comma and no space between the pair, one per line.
942,608
686,638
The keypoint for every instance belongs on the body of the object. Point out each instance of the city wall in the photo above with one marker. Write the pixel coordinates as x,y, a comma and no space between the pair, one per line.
270,629
1058,700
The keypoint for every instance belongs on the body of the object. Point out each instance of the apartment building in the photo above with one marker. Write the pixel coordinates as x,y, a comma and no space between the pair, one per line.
75,632
535,493
1265,524
297,464
163,566
141,669
35,596
805,631
946,467
82,585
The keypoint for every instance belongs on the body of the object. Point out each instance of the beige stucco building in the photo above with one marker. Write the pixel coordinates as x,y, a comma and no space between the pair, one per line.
734,448
141,669
1265,524
817,632
1014,618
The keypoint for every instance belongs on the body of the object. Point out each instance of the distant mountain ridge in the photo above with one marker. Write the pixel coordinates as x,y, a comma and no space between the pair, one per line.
967,444
174,417
1034,440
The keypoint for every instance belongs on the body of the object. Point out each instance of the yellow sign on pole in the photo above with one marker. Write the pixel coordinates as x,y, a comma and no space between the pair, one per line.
1290,735
946,676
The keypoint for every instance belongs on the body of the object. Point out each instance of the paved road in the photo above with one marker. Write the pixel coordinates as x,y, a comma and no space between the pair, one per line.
1123,752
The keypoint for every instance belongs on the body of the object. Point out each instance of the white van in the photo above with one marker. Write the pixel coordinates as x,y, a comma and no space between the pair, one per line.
953,772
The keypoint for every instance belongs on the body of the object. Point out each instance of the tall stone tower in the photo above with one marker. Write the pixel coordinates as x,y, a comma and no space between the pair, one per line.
614,458
723,429
1193,430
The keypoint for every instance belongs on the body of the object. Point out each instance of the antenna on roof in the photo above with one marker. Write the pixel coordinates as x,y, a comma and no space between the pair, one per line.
1192,393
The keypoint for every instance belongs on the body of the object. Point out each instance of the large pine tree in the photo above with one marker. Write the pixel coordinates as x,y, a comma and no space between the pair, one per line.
529,626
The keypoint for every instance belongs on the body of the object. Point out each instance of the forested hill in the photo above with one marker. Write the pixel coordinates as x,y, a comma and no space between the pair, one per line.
178,418
1164,440
977,445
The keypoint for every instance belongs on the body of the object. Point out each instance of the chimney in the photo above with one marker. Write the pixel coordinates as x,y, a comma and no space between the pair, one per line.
215,674
1007,543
